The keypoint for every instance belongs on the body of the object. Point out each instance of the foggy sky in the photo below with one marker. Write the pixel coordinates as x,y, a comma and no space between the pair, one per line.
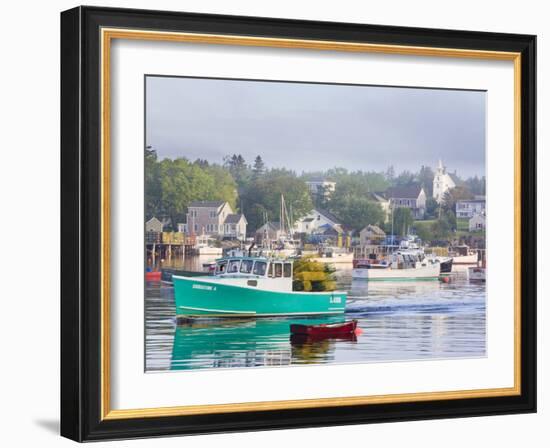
311,127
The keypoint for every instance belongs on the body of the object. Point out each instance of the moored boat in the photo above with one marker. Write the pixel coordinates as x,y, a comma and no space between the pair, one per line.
399,266
463,255
251,287
153,276
326,330
477,274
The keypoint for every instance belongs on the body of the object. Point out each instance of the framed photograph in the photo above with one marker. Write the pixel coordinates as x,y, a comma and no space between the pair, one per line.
273,223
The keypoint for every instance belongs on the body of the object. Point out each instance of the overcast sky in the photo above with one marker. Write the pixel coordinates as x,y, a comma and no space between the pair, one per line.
310,127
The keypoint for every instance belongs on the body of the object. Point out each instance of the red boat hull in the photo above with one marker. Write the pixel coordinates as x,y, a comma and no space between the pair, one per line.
324,330
153,276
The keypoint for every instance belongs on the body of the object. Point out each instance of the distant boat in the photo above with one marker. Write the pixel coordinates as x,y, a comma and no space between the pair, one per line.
167,273
251,287
477,274
328,254
463,255
205,246
153,276
400,265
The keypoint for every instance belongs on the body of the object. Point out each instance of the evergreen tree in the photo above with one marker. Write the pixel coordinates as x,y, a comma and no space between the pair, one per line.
259,167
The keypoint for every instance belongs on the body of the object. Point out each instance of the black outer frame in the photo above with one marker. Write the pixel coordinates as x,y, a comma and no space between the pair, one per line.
81,208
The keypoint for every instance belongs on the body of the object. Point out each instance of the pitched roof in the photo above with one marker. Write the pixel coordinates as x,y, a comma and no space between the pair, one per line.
378,196
269,226
374,229
327,215
409,192
233,218
208,204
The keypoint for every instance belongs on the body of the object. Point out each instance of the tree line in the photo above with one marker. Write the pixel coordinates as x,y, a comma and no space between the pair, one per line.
255,190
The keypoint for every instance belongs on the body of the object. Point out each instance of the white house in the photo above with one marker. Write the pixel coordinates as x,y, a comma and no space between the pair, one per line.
442,183
477,222
470,207
318,186
315,219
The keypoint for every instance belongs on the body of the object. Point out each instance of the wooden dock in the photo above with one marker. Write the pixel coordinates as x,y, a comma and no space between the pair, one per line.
167,245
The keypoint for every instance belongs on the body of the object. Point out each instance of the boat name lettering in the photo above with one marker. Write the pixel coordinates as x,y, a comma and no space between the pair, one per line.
208,288
336,299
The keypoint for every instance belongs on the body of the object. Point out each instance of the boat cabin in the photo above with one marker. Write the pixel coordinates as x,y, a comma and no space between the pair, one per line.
253,267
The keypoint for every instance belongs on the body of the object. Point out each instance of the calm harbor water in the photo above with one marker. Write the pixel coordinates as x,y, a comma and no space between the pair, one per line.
398,321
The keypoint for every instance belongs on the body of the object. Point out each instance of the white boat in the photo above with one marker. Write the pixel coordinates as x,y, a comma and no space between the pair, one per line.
204,246
463,255
477,274
335,257
401,265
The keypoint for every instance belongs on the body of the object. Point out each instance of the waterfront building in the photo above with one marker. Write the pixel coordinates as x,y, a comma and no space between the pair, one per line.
371,235
477,222
315,219
214,218
270,231
469,207
154,225
442,183
411,197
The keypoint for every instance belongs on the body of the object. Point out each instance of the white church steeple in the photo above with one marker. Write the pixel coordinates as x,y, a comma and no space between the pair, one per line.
442,182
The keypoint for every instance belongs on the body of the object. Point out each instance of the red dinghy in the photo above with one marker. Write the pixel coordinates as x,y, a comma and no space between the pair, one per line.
152,276
324,330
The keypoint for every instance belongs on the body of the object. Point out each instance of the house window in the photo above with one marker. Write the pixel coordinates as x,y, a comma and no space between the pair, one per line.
212,214
196,227
193,213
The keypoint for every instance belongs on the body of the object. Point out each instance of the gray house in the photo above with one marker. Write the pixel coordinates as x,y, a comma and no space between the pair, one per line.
413,198
214,218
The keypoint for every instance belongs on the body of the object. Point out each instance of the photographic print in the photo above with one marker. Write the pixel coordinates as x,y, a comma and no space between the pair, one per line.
295,223
251,201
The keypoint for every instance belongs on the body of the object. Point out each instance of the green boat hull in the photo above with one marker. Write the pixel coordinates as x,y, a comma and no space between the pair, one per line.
201,298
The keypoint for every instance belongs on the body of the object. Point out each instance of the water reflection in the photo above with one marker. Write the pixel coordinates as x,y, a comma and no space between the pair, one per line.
399,321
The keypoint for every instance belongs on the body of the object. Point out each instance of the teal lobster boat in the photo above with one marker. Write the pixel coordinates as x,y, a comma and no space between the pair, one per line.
251,287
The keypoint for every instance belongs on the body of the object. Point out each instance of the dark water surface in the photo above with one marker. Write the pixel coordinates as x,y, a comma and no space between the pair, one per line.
398,321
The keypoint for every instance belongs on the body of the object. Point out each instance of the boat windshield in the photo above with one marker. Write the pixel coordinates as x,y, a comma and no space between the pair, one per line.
220,267
233,266
246,266
259,268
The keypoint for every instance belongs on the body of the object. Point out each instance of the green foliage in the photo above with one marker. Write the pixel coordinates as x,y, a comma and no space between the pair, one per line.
261,197
402,220
170,185
259,167
453,195
238,168
425,179
153,187
432,208
357,211
476,185
463,224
